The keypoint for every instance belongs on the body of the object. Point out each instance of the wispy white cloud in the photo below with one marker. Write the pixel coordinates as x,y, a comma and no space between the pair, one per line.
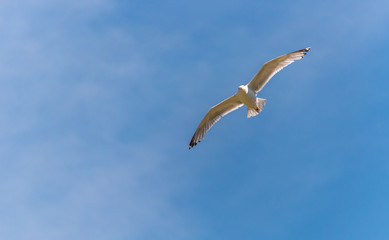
69,92
90,149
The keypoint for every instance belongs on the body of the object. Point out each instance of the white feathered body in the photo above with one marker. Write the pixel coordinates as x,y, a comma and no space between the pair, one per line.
249,98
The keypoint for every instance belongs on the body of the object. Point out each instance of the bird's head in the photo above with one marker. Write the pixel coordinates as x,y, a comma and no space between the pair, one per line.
242,88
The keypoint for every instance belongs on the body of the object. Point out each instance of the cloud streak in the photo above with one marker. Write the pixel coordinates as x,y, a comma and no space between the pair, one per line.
98,99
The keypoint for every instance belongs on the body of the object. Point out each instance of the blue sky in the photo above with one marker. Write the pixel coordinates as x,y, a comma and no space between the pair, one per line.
99,100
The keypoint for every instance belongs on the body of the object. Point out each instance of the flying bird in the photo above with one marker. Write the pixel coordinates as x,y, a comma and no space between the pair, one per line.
246,95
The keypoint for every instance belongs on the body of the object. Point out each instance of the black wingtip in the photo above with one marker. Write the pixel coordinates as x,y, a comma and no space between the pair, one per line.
304,51
191,144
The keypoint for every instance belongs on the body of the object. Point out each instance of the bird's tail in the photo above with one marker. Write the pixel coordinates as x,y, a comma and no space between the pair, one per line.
251,112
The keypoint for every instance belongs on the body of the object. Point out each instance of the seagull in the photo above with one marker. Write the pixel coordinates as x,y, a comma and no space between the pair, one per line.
246,95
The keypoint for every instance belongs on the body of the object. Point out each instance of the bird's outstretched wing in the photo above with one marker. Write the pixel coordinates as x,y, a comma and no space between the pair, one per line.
269,69
214,115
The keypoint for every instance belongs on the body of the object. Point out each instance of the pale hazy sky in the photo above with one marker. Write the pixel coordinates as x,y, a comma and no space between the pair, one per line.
99,100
